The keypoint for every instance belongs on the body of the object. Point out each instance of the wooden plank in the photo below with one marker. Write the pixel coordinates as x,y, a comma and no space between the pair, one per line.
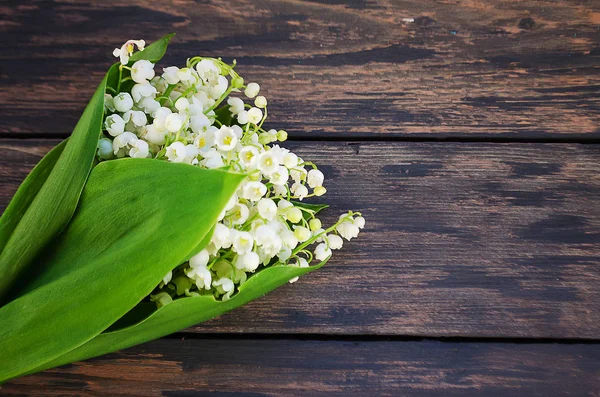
526,69
257,368
461,240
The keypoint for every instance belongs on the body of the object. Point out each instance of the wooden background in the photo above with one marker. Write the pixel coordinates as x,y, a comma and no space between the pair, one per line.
466,131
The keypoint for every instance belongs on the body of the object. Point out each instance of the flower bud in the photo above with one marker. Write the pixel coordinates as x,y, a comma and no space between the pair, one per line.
302,233
282,135
161,299
182,285
294,215
320,190
237,82
105,148
315,224
264,139
252,90
260,102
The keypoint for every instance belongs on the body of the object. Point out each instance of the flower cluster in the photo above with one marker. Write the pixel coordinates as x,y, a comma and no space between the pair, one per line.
189,115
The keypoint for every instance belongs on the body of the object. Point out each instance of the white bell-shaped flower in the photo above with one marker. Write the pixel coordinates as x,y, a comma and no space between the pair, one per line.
139,149
335,241
267,162
221,237
322,252
160,117
142,71
248,156
123,102
236,105
174,122
280,176
255,116
200,259
123,140
137,117
225,287
347,230
315,178
226,139
143,90
208,72
149,105
176,152
242,242
170,75
212,159
299,191
254,191
267,209
127,49
114,124
238,214
248,262
154,135
359,221
302,233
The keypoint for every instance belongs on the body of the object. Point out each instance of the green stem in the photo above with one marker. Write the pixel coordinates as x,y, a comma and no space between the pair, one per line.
120,78
167,94
329,230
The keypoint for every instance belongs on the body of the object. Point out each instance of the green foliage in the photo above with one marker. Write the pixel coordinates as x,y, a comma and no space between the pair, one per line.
82,244
180,314
137,220
47,198
57,184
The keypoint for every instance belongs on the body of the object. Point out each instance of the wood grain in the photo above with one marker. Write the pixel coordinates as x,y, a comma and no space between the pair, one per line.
526,69
496,240
260,368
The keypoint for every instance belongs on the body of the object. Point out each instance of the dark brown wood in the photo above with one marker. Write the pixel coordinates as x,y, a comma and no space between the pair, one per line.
514,69
258,368
461,240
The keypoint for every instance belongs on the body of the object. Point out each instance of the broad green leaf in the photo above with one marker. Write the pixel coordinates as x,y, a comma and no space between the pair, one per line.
309,206
137,219
180,314
144,309
155,51
56,200
313,207
27,192
47,199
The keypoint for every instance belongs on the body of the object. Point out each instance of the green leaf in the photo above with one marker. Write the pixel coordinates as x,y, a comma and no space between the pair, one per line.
52,207
27,192
46,200
180,314
309,206
155,51
137,219
313,207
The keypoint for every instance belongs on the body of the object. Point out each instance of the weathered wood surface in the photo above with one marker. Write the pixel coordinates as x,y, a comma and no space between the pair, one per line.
261,368
461,240
514,69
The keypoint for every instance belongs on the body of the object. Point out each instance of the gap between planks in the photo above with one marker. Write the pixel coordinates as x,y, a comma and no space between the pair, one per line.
379,338
360,137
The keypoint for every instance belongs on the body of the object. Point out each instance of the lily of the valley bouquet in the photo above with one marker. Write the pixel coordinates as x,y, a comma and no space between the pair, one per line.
168,205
